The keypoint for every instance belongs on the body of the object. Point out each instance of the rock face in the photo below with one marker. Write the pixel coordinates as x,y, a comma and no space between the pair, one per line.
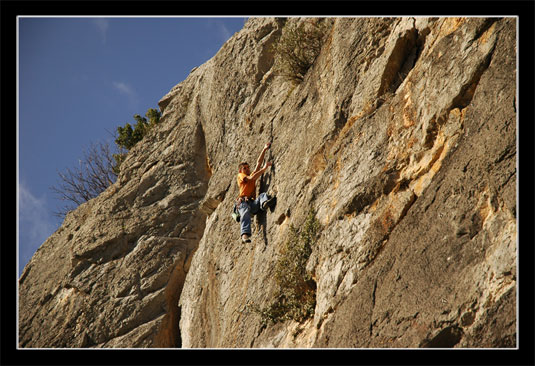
402,139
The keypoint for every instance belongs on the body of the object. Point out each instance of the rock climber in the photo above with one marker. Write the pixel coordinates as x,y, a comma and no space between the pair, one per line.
247,203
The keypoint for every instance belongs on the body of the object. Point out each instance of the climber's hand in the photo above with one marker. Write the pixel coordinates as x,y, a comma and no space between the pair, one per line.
268,145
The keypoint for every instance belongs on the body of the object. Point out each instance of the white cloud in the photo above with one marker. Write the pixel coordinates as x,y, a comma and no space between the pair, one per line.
225,33
35,222
102,25
127,90
123,88
218,28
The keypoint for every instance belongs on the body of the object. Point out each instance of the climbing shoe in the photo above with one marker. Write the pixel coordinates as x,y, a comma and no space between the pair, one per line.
269,203
245,239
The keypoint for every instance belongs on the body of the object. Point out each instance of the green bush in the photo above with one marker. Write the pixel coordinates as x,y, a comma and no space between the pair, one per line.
128,136
296,296
298,46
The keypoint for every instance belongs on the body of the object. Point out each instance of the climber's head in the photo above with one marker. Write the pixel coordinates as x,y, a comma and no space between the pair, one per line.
244,168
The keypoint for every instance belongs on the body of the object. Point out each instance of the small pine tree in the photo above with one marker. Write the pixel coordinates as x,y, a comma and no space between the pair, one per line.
128,136
154,116
125,138
140,129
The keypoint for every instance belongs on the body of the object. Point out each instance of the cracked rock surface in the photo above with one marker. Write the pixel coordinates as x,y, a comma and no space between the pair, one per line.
401,136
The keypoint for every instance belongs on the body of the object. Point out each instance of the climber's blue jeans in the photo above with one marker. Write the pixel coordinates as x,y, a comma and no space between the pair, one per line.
247,209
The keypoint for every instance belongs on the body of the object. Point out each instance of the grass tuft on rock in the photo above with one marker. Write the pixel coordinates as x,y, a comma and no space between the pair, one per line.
296,294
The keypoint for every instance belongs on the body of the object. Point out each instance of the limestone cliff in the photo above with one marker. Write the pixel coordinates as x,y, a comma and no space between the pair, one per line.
401,137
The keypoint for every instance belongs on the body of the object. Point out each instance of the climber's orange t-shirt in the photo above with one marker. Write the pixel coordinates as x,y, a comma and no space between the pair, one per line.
247,189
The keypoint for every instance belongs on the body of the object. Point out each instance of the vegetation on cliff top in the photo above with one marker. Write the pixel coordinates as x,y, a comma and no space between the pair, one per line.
99,167
128,137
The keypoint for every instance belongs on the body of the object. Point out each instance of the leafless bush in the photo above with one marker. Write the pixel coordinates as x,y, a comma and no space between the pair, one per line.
93,174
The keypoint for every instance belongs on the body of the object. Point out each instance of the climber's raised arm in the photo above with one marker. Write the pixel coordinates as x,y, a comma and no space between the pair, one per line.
260,160
259,172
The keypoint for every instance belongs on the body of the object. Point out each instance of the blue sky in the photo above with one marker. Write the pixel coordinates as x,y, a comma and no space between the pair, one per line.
81,77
